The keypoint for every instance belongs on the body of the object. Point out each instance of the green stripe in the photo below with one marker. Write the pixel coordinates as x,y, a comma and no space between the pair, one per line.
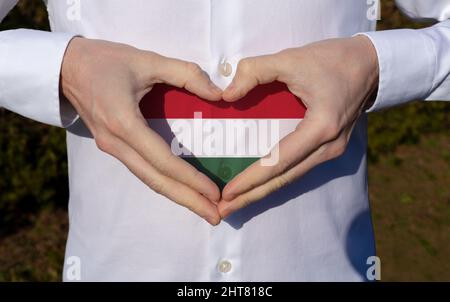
221,169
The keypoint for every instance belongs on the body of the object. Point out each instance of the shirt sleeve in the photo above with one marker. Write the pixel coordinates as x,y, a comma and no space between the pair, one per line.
5,7
414,64
30,65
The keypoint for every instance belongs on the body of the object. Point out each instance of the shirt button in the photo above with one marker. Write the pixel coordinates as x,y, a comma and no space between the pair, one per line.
225,68
224,266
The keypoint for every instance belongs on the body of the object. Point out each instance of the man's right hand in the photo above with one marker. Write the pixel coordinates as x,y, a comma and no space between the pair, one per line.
105,81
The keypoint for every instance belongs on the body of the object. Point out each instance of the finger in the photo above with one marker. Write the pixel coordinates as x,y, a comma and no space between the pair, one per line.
311,133
155,150
251,72
187,75
175,191
134,130
324,153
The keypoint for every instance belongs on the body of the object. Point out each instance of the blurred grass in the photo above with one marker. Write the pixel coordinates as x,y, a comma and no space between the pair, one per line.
409,161
410,200
35,252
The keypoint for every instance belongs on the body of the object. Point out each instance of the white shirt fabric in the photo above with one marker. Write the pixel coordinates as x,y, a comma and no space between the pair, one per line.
316,229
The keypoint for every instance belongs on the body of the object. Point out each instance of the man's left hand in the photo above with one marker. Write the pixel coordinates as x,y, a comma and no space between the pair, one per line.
335,79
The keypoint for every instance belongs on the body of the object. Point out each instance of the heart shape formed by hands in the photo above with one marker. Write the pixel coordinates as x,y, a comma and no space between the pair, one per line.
221,139
254,147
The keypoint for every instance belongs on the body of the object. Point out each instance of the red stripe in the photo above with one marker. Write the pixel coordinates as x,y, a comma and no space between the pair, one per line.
265,101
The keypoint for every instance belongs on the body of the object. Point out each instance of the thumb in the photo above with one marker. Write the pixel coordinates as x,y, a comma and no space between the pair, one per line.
251,72
187,75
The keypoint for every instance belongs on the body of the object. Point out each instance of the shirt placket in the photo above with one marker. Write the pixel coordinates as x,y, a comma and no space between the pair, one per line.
225,246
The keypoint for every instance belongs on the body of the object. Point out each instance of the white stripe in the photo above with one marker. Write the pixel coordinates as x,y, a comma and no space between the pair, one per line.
223,137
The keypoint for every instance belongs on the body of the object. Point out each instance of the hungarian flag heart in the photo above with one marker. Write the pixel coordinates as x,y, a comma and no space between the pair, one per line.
222,139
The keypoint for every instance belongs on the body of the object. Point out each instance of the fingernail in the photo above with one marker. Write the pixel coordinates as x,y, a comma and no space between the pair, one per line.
231,87
229,93
212,220
229,197
214,87
225,214
229,192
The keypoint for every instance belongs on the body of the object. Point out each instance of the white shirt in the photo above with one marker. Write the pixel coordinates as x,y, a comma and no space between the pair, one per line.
318,228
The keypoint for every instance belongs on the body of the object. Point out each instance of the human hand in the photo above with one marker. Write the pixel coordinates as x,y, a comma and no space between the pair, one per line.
334,79
105,81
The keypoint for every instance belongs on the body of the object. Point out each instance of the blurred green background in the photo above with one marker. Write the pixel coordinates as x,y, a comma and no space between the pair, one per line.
409,179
